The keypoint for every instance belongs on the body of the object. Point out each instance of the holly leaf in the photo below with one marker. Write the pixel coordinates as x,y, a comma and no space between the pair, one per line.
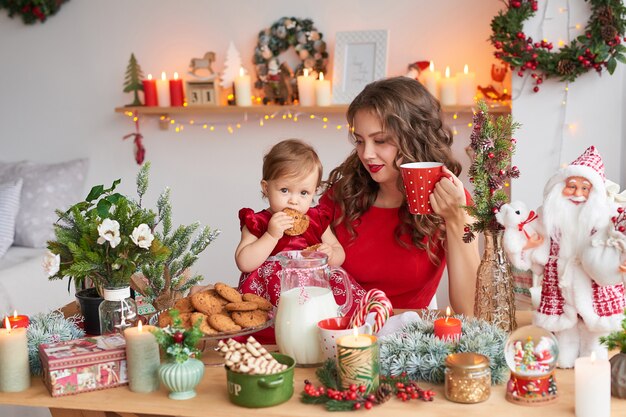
95,193
611,65
103,208
621,58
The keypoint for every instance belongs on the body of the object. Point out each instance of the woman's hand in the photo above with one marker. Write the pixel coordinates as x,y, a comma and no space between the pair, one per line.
448,197
279,222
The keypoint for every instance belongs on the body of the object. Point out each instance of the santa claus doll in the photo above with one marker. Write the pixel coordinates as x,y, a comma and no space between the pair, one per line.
582,294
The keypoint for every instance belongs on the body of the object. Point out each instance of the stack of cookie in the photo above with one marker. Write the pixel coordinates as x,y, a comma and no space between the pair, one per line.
221,310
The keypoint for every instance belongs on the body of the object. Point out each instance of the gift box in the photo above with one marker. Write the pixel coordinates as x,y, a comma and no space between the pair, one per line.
83,365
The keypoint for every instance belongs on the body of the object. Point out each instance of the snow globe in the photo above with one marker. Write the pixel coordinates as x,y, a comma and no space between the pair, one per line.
531,353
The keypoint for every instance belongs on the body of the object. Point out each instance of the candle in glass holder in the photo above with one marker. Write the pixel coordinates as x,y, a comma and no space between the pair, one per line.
358,361
448,327
142,358
163,91
448,89
176,91
16,320
468,378
592,387
14,369
466,87
150,92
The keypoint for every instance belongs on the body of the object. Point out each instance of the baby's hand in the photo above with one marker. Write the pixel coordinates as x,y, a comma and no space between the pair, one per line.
279,222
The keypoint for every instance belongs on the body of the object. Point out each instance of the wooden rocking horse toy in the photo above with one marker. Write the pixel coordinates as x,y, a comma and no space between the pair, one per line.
204,65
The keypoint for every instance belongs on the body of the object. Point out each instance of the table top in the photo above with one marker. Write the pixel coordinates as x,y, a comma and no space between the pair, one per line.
212,399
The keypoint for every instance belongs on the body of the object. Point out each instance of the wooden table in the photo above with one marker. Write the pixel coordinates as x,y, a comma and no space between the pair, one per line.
212,399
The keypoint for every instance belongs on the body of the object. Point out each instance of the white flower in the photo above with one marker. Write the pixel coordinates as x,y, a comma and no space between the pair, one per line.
142,236
51,263
109,230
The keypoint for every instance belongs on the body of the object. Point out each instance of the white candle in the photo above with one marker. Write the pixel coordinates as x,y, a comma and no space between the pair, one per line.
306,89
448,89
466,87
142,358
592,387
163,91
356,340
430,80
14,369
243,89
322,91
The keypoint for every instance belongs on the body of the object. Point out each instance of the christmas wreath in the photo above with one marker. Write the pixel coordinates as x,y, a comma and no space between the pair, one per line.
599,47
285,33
32,11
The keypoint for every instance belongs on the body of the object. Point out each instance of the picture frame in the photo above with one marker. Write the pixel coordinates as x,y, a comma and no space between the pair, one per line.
360,58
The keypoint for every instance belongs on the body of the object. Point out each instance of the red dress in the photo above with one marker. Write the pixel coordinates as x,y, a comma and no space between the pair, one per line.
374,259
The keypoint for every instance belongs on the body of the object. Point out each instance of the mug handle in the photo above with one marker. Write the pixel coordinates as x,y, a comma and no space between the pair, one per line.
345,307
274,383
368,329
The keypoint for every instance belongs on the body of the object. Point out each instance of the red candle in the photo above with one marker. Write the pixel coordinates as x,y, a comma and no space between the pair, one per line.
176,91
447,328
16,321
149,92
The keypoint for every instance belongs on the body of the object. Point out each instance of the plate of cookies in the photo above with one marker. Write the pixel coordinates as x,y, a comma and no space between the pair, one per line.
223,311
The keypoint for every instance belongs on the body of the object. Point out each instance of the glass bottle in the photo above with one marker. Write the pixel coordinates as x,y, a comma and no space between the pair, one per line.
468,378
118,310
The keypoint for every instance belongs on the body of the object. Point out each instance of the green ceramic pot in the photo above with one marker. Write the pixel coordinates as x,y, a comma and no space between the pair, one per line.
181,378
255,391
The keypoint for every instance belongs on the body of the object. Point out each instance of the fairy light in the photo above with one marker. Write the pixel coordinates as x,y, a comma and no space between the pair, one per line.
135,118
172,121
312,116
261,123
212,128
455,116
339,127
238,125
266,117
230,129
470,124
325,126
204,126
191,122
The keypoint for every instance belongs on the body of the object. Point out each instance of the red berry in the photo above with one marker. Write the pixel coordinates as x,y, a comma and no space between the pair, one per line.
621,229
498,45
357,406
620,210
536,89
491,155
466,229
362,388
539,80
178,337
352,387
368,405
520,73
495,210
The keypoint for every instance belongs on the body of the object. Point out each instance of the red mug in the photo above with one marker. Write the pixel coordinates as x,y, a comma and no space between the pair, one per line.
419,180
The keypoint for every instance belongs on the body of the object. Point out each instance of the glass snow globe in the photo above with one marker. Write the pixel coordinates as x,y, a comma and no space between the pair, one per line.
531,353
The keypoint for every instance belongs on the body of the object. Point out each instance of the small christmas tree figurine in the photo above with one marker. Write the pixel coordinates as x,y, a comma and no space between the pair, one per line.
492,147
231,66
132,82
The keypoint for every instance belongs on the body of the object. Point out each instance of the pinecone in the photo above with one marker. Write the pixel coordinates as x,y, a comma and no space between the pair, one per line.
608,33
605,15
383,393
565,67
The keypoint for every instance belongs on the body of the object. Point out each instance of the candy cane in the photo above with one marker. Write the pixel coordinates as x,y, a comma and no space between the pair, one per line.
374,301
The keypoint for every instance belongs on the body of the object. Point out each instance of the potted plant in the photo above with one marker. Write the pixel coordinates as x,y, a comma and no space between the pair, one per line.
182,371
101,242
617,340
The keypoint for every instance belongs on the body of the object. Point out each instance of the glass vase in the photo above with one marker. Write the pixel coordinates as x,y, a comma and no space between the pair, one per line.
118,311
495,300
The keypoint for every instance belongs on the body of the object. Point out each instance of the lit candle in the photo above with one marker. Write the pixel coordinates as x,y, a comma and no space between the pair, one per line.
306,89
356,339
358,361
465,87
322,91
448,89
163,91
150,92
243,89
592,387
142,358
430,80
176,91
16,320
14,370
448,327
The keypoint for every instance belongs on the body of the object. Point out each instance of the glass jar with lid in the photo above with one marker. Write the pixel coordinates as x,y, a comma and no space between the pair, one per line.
467,378
118,310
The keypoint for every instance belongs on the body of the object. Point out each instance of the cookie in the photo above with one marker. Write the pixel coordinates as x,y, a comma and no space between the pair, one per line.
208,302
258,300
186,320
241,306
204,323
312,248
165,319
250,318
184,305
228,292
300,222
223,323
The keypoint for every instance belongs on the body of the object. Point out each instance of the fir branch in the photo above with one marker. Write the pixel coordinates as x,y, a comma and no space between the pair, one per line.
327,374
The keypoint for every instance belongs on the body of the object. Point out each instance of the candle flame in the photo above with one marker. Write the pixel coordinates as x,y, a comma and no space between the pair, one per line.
163,76
139,328
14,314
306,72
593,356
321,76
7,325
431,67
241,72
355,331
447,72
466,69
149,76
448,312
175,75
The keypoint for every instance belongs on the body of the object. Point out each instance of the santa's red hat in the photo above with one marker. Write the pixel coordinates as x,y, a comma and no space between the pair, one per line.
589,165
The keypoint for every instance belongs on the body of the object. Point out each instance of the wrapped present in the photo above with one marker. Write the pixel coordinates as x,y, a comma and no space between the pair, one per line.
83,365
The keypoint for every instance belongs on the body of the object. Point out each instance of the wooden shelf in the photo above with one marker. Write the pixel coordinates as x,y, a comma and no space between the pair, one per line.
259,110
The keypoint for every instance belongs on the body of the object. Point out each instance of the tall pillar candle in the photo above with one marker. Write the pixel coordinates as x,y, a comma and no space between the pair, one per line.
592,387
142,358
465,87
150,92
14,369
176,91
448,89
163,91
430,80
322,91
243,89
306,89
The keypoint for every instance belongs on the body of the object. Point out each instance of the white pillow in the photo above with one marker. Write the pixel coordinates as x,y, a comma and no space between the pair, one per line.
46,188
9,207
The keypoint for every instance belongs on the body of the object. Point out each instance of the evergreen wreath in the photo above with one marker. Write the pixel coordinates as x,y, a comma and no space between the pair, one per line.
599,47
283,34
417,353
492,147
32,11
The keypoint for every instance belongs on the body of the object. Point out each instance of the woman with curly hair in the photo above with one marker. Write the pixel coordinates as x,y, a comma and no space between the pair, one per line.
395,121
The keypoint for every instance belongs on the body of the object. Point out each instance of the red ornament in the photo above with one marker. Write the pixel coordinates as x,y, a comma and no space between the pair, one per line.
536,89
491,155
178,337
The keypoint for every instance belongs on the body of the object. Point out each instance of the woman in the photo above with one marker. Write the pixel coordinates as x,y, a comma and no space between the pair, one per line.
395,121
